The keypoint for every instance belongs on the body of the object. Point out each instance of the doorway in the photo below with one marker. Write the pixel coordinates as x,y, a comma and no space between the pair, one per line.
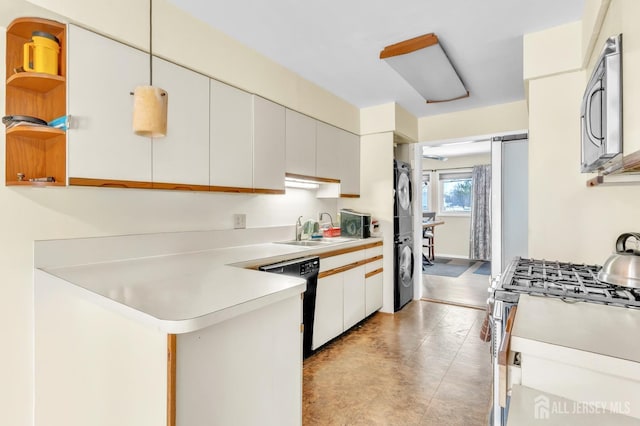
460,273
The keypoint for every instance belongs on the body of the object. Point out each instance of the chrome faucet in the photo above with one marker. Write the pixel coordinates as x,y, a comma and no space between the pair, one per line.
298,229
330,218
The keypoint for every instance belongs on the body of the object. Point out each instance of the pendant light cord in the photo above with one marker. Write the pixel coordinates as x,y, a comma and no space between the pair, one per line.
151,42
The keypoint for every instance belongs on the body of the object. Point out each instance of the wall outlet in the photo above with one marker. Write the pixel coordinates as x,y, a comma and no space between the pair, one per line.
239,221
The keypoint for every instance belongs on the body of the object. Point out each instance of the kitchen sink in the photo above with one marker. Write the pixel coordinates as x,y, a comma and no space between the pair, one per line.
307,243
313,243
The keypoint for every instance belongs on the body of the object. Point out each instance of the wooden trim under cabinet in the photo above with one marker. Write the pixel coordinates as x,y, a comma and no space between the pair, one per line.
373,259
268,191
180,186
312,178
349,195
372,245
372,273
341,269
172,349
109,183
234,189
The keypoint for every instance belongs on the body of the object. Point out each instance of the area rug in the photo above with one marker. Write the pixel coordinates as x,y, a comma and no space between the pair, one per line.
484,269
447,267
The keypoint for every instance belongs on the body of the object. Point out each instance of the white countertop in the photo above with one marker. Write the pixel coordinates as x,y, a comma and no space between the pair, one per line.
533,407
591,327
184,292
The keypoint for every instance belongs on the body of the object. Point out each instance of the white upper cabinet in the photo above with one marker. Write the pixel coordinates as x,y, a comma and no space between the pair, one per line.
348,157
182,157
327,151
268,145
301,144
231,137
101,76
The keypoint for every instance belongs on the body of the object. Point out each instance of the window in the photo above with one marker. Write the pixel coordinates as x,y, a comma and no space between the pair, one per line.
455,192
426,194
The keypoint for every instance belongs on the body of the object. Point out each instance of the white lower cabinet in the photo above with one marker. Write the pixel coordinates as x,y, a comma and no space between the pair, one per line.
121,371
254,360
349,290
354,297
328,322
373,293
373,280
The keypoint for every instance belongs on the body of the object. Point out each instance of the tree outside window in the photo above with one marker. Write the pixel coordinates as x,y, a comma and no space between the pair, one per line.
455,192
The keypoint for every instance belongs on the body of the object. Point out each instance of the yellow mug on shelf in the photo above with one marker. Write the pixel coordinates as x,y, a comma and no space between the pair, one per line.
41,53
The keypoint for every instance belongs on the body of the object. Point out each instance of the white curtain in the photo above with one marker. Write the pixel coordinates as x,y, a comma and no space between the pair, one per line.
480,240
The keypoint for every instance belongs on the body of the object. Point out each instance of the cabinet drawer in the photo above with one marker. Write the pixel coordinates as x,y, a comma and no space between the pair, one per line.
374,251
372,266
328,263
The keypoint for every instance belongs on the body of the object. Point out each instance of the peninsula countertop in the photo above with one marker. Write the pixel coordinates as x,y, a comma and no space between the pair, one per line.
183,292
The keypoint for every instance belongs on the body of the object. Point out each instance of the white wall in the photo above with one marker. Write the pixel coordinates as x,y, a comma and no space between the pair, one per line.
452,238
376,197
567,220
491,120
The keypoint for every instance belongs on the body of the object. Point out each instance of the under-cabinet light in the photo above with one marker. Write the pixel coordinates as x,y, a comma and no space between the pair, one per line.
300,183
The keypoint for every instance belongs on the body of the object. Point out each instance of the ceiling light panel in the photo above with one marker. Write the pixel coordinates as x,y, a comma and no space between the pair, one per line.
423,63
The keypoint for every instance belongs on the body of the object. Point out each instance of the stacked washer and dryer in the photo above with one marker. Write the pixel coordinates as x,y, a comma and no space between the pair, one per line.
403,235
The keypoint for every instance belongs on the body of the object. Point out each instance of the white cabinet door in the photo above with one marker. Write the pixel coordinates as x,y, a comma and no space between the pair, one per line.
101,75
268,145
349,158
328,151
373,293
328,321
301,144
354,295
231,141
183,155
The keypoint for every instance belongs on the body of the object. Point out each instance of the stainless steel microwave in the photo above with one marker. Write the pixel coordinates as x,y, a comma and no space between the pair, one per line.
601,110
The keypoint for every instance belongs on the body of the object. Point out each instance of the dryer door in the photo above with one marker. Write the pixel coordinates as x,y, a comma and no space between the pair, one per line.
405,267
403,191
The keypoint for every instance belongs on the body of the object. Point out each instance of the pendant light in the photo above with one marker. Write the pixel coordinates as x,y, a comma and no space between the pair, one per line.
149,102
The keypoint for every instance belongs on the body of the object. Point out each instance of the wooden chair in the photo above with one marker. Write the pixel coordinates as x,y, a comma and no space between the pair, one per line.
428,238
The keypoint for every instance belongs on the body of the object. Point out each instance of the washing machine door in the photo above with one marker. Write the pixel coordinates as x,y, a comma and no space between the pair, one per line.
405,266
403,191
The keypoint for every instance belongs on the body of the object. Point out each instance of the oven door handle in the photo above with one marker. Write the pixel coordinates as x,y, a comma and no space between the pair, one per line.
503,356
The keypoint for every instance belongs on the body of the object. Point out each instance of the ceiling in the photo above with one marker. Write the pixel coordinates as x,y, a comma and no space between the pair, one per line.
336,43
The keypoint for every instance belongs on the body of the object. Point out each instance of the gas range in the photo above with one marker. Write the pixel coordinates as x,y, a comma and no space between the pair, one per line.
570,282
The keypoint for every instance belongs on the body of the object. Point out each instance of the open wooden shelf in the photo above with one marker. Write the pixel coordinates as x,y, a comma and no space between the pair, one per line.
27,183
35,132
35,151
36,81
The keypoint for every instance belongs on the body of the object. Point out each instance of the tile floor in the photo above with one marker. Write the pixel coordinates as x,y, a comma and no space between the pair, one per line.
424,365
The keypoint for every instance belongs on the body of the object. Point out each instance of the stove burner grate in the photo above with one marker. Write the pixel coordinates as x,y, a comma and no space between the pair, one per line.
568,281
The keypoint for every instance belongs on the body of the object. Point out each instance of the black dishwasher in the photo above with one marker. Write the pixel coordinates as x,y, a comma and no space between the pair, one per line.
307,268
